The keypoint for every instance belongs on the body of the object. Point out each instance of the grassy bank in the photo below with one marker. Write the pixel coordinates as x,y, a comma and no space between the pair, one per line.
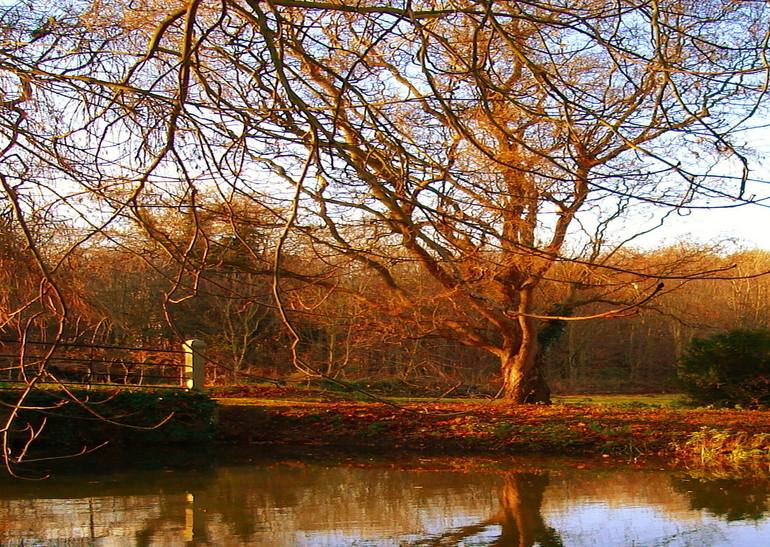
627,426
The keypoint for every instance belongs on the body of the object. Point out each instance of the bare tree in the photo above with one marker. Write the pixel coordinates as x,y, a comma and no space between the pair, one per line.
478,143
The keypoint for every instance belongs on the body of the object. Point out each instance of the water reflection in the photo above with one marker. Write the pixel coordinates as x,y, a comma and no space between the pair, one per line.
732,498
292,501
519,517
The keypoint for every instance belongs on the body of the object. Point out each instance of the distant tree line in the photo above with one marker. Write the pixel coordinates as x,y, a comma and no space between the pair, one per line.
122,291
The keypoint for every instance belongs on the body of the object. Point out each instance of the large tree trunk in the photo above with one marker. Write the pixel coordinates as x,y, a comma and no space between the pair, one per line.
520,365
523,379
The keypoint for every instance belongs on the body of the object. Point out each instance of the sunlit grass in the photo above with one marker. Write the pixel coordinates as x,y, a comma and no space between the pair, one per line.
654,400
651,400
312,396
254,401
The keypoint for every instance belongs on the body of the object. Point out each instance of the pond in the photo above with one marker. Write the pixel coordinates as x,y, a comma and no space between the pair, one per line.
318,500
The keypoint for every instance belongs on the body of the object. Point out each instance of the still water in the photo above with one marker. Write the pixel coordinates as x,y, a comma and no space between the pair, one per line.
318,500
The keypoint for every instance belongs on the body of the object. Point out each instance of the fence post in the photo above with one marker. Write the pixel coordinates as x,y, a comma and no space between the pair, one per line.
194,364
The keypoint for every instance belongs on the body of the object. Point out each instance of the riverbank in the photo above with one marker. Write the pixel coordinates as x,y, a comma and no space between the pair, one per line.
626,427
702,436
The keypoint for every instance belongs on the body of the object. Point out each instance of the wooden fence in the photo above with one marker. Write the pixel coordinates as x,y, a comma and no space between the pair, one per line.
89,365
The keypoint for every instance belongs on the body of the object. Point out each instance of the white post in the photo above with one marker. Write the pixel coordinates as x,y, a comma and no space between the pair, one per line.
189,518
194,364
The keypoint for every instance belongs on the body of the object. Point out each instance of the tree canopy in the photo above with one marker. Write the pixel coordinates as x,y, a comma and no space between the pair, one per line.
459,151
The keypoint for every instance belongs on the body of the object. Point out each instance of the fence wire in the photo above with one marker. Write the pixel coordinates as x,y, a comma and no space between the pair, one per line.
90,346
102,369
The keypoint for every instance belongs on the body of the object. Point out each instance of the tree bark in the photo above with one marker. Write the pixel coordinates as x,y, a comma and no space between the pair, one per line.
520,357
523,379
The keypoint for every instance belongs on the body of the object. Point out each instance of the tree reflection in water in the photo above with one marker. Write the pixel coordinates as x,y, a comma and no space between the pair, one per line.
520,518
730,498
370,501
